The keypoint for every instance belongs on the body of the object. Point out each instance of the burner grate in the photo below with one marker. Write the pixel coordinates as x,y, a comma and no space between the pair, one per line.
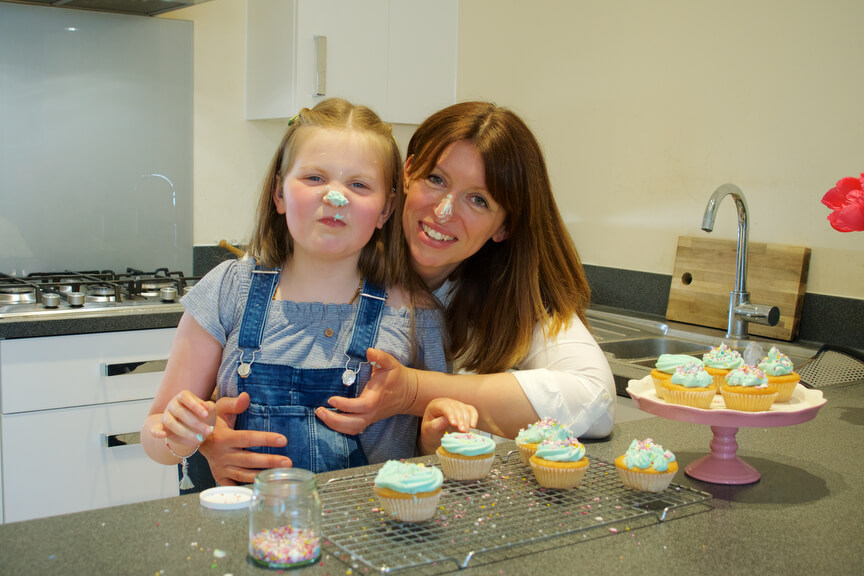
502,516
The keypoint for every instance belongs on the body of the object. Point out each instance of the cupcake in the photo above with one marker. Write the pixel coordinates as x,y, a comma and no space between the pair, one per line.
466,456
646,466
778,368
559,463
690,385
747,389
719,361
545,429
665,367
408,492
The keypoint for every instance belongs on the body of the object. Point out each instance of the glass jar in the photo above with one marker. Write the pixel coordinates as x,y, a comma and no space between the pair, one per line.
285,518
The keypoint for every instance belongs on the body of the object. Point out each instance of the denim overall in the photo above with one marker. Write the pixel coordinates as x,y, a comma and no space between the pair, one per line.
284,398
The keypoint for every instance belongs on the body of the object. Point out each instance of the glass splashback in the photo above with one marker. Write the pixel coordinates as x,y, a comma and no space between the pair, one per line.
95,141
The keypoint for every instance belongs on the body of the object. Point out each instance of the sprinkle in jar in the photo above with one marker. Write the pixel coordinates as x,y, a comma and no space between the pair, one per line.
284,519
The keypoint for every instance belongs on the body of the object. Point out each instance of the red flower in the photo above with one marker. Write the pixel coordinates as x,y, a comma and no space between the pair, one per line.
847,201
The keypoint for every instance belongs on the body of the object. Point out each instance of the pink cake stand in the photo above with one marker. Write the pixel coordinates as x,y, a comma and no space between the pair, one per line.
722,465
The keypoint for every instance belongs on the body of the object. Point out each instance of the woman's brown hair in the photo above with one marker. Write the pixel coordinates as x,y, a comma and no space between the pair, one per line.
271,244
534,277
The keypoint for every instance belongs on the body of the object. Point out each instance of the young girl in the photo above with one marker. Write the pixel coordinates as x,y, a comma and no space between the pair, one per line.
290,324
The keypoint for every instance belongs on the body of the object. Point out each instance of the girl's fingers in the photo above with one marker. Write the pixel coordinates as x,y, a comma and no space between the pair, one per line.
185,423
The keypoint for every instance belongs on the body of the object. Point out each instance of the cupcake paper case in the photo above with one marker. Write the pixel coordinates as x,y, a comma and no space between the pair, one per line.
466,456
408,492
646,466
529,438
779,370
559,463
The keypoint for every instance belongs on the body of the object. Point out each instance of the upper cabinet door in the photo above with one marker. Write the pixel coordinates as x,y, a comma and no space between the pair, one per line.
356,51
396,56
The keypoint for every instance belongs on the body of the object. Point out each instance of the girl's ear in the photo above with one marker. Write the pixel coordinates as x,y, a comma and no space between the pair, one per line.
279,196
389,205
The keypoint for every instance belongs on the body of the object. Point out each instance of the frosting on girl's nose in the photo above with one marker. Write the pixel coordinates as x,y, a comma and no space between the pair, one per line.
335,199
444,210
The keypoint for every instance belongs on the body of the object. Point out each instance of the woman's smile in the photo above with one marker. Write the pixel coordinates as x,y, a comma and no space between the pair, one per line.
451,213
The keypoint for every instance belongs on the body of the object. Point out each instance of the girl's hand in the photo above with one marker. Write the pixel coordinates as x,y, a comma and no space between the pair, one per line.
391,390
444,415
187,420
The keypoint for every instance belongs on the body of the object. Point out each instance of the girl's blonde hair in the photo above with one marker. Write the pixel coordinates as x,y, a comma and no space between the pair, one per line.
271,243
535,276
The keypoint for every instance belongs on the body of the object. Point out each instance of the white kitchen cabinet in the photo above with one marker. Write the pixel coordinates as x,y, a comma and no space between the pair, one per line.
396,56
71,409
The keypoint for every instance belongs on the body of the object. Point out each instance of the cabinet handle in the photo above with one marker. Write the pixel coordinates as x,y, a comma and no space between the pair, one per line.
320,65
142,367
112,440
136,367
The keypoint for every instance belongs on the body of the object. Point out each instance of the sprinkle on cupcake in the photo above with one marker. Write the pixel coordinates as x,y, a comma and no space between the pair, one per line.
747,375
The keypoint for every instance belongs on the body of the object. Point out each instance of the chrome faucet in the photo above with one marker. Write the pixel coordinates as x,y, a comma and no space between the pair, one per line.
741,311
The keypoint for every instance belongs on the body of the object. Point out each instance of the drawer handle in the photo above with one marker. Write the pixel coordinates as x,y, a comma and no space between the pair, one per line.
135,367
320,65
112,440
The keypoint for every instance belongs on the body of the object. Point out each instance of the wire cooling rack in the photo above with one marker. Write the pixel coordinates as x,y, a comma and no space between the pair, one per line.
501,516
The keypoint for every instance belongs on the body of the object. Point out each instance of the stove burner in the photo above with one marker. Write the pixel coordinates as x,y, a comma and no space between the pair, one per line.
100,293
17,295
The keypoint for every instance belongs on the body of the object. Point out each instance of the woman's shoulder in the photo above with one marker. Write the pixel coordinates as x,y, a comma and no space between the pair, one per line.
398,298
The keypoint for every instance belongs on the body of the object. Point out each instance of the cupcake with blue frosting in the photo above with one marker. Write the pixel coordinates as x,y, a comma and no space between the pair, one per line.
559,463
646,466
779,370
747,389
466,455
690,385
529,438
408,492
665,367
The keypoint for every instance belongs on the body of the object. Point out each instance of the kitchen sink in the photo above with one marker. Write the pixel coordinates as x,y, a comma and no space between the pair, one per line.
641,348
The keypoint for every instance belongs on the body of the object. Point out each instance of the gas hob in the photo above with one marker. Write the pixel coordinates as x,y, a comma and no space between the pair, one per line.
99,292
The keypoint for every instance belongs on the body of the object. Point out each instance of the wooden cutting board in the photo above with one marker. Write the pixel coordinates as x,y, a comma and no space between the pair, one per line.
704,275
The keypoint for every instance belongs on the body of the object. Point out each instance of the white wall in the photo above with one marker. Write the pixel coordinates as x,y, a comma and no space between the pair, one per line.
643,109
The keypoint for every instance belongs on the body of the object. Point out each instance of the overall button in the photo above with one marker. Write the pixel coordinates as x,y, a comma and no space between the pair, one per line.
328,332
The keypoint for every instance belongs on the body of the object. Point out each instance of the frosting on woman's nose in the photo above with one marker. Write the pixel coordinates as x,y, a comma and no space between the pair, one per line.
444,210
336,199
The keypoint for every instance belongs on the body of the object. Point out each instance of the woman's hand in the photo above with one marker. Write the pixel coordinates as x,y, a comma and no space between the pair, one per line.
444,415
225,448
391,390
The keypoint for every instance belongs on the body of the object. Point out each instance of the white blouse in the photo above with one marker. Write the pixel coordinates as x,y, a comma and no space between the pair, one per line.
566,378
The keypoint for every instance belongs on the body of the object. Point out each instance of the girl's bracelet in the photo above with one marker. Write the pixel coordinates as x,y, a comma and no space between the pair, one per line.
167,445
185,481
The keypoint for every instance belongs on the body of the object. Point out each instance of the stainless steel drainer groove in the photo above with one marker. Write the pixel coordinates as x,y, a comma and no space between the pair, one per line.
832,366
502,516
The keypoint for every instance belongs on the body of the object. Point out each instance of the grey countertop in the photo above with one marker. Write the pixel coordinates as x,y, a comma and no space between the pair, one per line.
62,325
804,516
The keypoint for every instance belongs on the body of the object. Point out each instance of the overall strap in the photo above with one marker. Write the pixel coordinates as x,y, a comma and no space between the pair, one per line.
257,308
366,324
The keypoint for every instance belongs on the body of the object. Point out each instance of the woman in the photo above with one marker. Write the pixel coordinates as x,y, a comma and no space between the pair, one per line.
483,231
